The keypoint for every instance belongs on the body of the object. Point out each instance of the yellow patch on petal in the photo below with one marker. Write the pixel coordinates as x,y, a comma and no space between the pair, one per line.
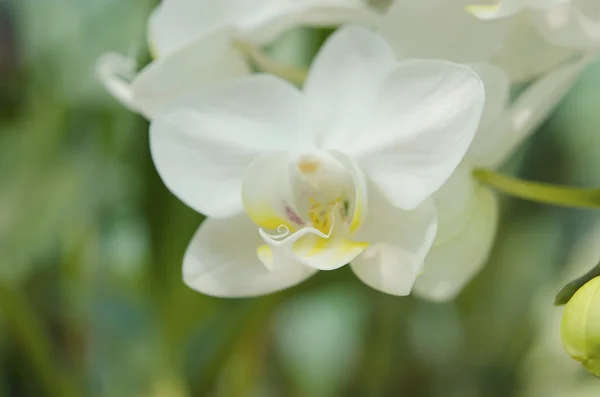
265,255
308,165
484,10
265,216
347,248
329,253
357,216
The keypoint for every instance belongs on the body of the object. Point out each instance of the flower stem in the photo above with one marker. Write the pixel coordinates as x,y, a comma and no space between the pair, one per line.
264,63
540,192
569,290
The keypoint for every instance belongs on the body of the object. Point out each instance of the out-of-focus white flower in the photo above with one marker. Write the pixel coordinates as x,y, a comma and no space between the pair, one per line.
574,23
442,29
192,42
569,23
342,169
467,211
445,29
506,8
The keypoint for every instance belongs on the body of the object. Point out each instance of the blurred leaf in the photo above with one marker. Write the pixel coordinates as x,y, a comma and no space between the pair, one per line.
35,343
317,337
64,48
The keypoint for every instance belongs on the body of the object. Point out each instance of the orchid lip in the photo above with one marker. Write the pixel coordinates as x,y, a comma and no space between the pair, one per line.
281,244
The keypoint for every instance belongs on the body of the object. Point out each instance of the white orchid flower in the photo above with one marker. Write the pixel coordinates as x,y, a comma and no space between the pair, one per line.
445,29
298,181
467,210
192,42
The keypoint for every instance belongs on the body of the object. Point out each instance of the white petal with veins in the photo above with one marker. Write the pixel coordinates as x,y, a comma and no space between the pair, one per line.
343,83
409,154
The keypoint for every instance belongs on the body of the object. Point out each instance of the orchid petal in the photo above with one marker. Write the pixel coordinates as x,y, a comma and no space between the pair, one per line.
176,24
399,241
424,120
343,83
202,145
265,20
267,193
194,67
453,262
454,202
328,253
572,24
443,29
116,72
530,109
222,261
527,55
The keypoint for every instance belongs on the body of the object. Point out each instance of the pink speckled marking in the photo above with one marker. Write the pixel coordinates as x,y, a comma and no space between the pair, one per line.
291,215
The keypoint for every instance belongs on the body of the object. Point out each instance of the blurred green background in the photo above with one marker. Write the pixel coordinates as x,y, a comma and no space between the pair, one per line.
91,297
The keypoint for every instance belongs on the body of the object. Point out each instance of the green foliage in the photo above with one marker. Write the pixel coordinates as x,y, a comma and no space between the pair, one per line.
91,297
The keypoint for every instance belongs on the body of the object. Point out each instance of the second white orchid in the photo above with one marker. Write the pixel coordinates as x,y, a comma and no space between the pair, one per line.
568,23
526,38
193,44
467,210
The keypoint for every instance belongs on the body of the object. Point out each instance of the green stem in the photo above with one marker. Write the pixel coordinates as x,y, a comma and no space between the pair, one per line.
540,192
266,64
26,327
569,290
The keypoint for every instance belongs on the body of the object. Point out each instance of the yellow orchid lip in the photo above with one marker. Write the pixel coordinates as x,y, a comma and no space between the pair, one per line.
338,250
313,246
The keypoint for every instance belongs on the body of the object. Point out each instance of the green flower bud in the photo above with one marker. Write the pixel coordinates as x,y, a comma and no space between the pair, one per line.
580,326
